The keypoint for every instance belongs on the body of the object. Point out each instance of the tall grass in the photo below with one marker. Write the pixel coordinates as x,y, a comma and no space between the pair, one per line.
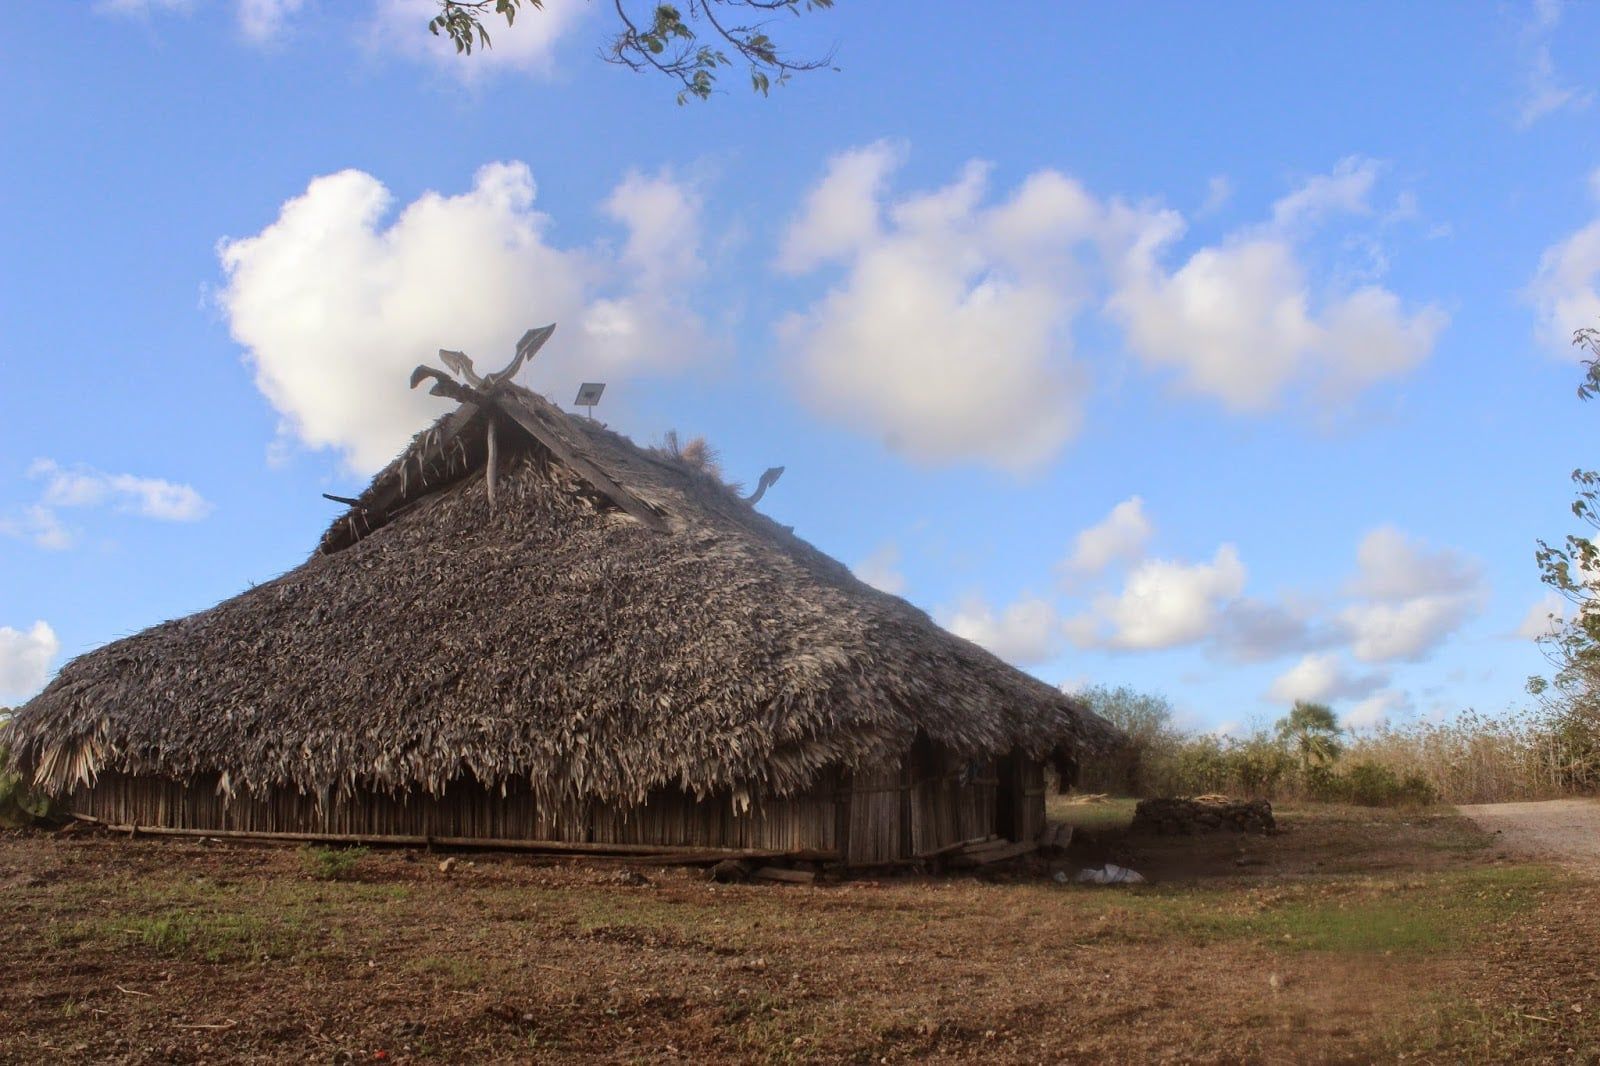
1481,759
1474,758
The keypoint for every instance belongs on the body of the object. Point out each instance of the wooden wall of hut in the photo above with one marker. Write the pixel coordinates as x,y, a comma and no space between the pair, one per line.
931,800
669,818
935,799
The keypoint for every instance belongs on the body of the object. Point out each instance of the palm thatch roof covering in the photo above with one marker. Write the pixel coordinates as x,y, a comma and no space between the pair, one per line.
523,594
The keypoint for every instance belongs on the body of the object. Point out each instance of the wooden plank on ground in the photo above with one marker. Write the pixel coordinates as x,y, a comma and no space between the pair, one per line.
957,846
987,856
779,873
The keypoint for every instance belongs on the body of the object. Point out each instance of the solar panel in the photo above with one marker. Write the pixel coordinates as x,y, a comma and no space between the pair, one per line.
589,393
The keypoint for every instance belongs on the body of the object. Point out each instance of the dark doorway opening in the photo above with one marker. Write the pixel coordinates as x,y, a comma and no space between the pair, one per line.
1008,789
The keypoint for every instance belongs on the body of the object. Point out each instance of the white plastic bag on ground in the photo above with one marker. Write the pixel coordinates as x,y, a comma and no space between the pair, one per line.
1109,874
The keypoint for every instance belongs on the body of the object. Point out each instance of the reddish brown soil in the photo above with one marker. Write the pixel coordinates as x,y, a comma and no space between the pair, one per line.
167,951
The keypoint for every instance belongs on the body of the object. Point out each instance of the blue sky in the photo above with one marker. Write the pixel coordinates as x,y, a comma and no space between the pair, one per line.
1219,353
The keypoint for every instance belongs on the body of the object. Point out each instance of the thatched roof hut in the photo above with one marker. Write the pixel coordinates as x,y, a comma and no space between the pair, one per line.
527,626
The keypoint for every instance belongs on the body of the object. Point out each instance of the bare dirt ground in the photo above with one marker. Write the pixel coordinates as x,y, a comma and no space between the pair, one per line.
1565,830
1350,936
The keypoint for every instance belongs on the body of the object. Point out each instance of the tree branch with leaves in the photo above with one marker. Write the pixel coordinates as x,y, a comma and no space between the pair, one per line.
691,44
1572,569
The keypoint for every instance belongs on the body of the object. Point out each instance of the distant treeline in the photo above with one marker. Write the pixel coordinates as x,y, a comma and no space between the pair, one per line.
1538,754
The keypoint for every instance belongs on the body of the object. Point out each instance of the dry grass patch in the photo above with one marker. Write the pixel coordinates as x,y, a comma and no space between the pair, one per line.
1349,937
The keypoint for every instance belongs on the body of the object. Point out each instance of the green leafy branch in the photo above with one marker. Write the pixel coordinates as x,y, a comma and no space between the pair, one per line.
668,42
1572,569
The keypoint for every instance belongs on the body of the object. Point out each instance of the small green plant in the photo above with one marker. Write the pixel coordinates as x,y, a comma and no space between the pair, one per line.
332,863
1370,784
18,806
219,937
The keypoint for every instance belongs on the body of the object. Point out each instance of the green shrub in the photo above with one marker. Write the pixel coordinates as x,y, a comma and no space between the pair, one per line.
1322,784
1370,784
1189,767
18,806
332,863
1259,765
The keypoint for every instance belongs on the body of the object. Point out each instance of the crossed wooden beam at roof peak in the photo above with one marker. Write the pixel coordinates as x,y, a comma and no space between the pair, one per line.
536,416
486,393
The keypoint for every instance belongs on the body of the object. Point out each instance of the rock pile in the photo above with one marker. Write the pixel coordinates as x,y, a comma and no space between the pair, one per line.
1206,814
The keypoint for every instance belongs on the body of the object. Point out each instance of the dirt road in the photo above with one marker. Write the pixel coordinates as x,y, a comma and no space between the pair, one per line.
1566,830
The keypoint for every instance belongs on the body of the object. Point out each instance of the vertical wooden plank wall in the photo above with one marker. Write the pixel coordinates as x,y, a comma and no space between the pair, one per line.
669,818
1030,798
874,817
934,798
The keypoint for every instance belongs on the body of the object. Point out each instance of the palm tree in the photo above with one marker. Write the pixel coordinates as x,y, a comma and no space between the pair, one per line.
1313,732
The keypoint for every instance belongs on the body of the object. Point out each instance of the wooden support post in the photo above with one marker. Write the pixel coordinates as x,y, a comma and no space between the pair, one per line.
490,467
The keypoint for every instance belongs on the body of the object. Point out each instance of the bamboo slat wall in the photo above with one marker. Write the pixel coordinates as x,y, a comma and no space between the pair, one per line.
933,799
670,819
874,818
1030,784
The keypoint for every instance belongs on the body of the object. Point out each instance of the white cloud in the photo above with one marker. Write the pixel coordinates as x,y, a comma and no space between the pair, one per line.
1345,191
662,217
947,331
1543,91
1404,600
1164,604
263,20
881,570
1322,678
1024,633
147,497
1391,566
1377,710
1542,617
1387,632
1564,291
1253,630
25,657
1239,321
947,337
1411,597
662,256
142,8
259,20
1120,536
1219,190
84,487
527,45
841,212
39,524
336,303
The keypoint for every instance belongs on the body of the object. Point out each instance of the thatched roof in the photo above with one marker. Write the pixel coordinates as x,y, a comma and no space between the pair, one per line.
592,641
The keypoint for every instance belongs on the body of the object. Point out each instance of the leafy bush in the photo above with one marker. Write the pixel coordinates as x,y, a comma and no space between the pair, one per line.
1372,785
332,863
1145,721
1260,765
18,806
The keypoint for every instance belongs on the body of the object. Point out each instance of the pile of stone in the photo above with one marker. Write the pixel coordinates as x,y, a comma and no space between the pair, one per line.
1203,814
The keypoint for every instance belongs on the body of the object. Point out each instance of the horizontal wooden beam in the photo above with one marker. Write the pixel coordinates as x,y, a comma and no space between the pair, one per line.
685,854
518,410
